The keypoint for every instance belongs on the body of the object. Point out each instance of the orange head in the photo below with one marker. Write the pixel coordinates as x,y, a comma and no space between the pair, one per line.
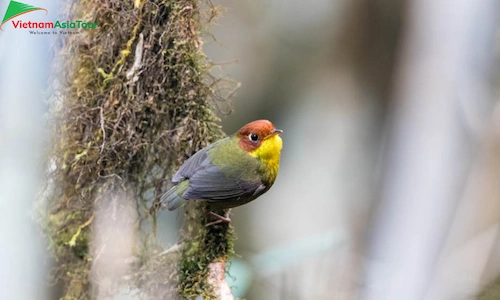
261,140
254,134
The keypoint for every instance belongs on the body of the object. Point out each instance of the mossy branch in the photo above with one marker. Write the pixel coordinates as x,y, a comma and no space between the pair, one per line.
201,249
119,134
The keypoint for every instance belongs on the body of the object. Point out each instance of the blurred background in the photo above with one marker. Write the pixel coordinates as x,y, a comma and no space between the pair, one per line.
389,186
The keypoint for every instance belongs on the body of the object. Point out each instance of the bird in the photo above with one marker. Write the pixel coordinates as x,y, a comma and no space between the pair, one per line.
229,172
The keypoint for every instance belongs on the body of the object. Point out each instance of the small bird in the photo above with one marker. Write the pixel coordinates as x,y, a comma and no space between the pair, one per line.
230,172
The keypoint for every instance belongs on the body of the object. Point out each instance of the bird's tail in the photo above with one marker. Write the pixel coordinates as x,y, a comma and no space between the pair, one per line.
172,199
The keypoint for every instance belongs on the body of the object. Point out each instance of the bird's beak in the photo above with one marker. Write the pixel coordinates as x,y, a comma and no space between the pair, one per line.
276,131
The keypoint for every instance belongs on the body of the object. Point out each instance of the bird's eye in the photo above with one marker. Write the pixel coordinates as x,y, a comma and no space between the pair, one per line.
253,137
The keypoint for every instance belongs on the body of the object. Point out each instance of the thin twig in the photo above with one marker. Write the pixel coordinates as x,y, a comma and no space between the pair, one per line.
174,248
103,131
72,241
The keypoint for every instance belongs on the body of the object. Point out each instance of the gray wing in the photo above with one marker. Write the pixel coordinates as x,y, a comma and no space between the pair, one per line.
209,182
212,184
192,165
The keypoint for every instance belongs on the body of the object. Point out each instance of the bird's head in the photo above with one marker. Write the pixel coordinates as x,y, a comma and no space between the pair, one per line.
261,139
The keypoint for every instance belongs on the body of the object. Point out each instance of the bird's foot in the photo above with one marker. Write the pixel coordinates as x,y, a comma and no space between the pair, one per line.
220,219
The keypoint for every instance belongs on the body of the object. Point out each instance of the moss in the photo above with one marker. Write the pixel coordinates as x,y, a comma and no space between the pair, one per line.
202,245
125,117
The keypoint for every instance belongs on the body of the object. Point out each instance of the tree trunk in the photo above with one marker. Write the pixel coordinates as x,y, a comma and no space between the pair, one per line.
132,99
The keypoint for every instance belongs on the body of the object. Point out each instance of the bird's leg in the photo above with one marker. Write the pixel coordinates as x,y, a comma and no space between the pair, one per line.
220,219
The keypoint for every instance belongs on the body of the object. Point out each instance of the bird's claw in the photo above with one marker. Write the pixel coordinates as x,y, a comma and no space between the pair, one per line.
220,219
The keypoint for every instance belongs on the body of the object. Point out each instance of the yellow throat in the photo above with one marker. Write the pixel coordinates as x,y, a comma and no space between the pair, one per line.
269,153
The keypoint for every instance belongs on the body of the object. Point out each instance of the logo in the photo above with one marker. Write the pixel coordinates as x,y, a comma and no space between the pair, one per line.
15,9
